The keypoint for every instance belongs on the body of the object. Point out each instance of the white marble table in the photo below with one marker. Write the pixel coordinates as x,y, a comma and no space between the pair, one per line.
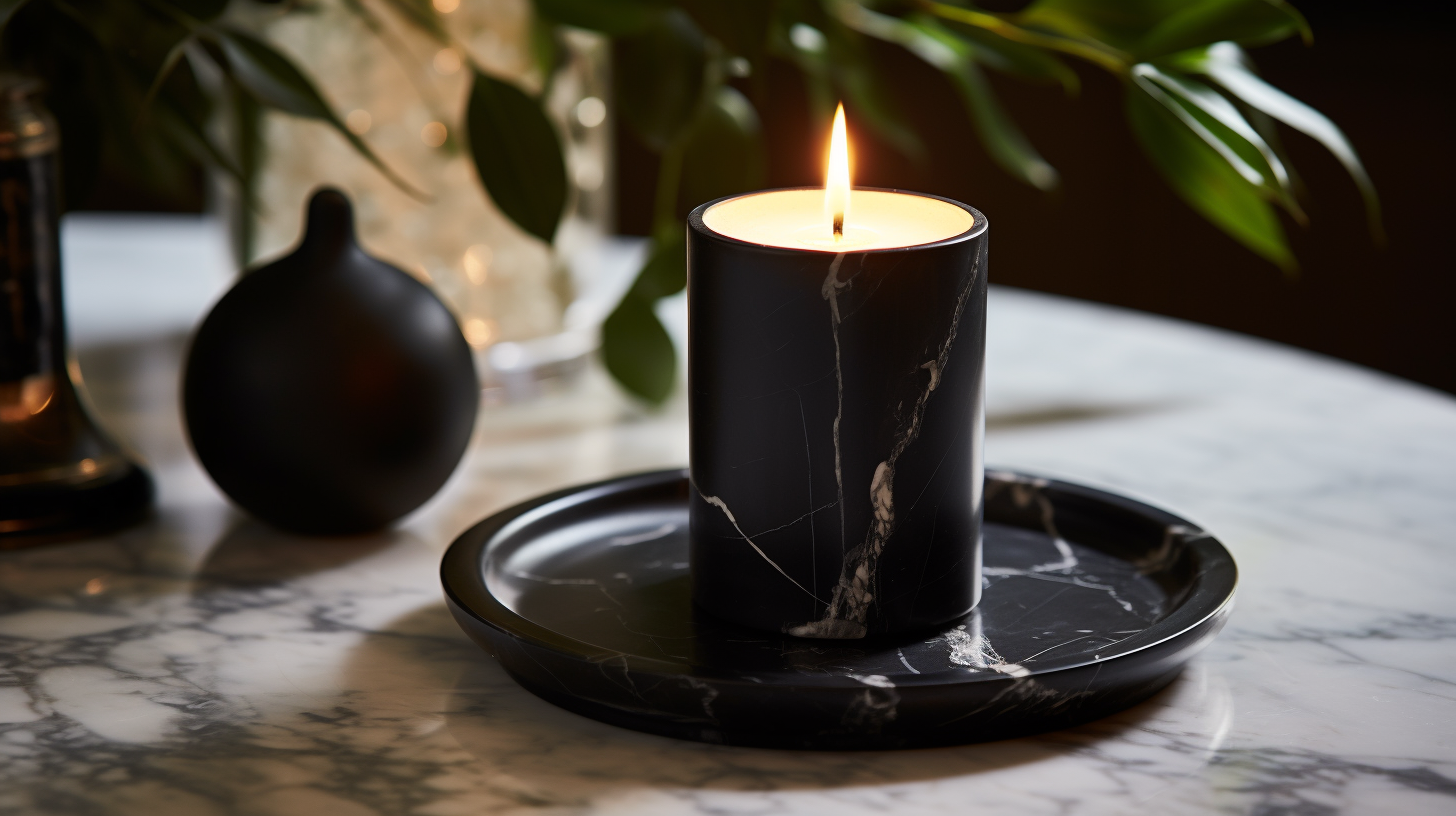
203,664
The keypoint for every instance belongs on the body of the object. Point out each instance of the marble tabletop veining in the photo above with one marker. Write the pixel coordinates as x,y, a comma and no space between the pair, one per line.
204,664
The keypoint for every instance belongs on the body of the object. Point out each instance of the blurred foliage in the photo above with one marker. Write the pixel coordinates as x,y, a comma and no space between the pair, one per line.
152,85
1194,102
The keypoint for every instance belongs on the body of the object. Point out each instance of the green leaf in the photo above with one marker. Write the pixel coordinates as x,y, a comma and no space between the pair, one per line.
725,152
1007,56
272,77
659,81
275,81
615,17
1246,170
1121,24
1225,64
1044,26
517,154
635,346
638,351
1253,22
1225,128
1007,145
940,52
666,271
1268,128
927,39
1204,179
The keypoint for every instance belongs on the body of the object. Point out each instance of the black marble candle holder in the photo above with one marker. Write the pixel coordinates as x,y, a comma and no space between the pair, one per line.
1093,602
836,424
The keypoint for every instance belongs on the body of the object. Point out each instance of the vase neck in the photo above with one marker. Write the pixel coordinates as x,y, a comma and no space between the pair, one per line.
329,231
32,324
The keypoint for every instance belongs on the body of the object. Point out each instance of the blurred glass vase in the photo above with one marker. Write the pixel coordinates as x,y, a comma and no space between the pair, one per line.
406,93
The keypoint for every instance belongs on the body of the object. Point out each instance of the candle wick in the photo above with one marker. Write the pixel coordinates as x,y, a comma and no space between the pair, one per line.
838,226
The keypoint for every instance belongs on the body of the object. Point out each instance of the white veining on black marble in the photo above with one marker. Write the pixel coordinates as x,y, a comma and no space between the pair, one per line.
709,694
722,505
872,709
830,292
849,608
1173,535
971,649
1027,491
905,662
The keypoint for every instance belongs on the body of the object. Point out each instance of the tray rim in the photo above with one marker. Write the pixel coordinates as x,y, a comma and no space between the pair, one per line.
1217,573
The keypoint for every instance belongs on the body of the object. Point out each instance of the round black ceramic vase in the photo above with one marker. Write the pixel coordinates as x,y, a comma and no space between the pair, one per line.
330,392
60,475
836,432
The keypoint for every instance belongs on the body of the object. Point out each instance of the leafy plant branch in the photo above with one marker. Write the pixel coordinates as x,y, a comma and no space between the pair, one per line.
127,81
1193,99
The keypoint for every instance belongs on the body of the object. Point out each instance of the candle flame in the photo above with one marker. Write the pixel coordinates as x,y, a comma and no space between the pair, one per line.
836,181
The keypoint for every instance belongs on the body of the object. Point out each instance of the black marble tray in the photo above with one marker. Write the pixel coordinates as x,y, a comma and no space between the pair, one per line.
1092,603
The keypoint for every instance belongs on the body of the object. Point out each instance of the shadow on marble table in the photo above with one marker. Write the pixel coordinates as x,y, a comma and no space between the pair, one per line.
1068,413
553,757
158,556
152,559
252,553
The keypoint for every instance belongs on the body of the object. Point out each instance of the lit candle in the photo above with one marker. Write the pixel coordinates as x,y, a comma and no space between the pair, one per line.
836,178
815,219
836,348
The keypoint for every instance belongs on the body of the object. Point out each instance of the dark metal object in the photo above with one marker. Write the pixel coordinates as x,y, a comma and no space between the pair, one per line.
1093,603
330,392
60,475
836,424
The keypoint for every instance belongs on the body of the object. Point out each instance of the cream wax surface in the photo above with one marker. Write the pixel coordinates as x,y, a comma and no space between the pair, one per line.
876,219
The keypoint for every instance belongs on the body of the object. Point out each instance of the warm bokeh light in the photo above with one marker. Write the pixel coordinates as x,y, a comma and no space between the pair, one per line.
446,6
588,174
477,263
591,112
447,61
434,134
358,121
479,333
836,181
33,395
